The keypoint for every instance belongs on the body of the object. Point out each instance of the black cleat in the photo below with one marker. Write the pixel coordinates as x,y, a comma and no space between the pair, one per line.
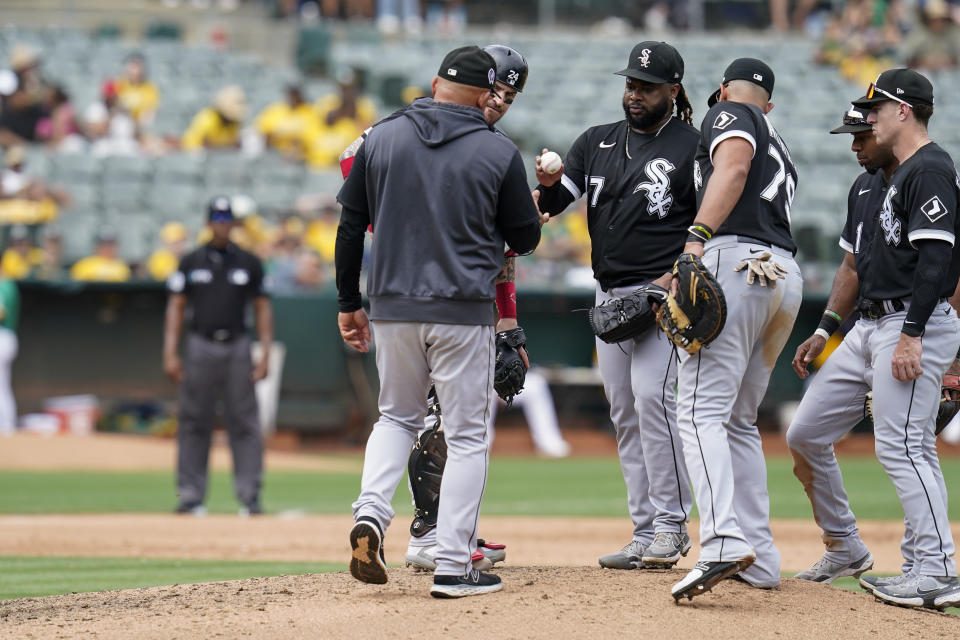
705,575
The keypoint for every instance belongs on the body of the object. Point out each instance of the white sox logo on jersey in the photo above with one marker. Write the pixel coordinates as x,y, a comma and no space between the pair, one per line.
889,222
659,197
645,58
934,209
697,176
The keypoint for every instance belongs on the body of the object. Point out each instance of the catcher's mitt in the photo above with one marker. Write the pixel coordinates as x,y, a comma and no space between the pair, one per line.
619,319
509,372
949,401
695,316
425,470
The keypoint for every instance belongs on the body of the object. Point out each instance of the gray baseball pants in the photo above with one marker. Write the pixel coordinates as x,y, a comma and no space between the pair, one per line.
639,376
459,360
904,415
720,389
218,371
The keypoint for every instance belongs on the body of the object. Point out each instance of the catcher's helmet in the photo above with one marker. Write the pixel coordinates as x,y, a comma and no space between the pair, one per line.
511,66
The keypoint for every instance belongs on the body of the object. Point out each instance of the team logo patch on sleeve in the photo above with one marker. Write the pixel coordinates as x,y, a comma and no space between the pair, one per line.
723,120
933,209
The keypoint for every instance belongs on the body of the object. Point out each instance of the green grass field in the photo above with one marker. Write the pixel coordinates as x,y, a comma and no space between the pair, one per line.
40,576
517,486
578,487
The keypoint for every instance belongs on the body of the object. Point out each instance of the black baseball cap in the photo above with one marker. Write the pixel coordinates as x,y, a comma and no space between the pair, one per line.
220,210
756,71
656,62
854,121
902,85
469,65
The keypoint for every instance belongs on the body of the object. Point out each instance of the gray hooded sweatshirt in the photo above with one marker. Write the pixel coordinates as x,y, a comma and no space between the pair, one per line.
442,192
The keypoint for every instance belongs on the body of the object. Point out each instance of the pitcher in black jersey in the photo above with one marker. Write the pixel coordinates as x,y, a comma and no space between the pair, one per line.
745,184
911,332
637,176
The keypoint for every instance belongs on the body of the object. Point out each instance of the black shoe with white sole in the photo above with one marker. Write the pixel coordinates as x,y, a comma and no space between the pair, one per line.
705,575
366,563
475,583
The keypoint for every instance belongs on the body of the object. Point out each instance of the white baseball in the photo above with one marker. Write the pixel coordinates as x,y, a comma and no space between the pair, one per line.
550,162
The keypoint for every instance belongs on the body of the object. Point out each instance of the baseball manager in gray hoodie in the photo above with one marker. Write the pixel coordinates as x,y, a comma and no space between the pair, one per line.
444,192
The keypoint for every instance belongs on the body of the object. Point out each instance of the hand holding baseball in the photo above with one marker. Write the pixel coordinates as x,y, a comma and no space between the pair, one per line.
549,168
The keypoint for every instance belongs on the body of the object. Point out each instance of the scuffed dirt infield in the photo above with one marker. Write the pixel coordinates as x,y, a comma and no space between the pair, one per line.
537,602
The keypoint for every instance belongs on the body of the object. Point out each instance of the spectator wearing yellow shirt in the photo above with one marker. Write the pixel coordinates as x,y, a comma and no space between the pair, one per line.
103,265
21,256
138,96
340,120
164,260
284,124
218,126
321,234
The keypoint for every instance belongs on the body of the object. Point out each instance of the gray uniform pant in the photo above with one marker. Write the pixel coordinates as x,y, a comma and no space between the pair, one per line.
639,377
720,389
212,371
459,360
904,414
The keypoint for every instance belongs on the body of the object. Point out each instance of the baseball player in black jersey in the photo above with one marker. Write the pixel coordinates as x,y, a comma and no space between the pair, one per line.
910,332
833,404
637,176
745,183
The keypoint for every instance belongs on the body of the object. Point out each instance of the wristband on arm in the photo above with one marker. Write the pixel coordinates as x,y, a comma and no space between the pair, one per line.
507,300
829,323
699,232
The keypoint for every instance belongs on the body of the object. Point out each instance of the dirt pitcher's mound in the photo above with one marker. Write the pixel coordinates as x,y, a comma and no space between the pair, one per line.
545,602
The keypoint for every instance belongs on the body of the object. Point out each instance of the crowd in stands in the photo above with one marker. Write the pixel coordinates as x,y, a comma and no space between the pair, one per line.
34,110
865,37
391,16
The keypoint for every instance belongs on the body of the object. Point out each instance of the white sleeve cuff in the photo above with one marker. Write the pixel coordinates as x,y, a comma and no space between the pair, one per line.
846,246
571,186
733,134
930,234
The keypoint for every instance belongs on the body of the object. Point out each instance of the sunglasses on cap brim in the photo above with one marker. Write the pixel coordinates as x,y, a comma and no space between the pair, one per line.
873,90
854,117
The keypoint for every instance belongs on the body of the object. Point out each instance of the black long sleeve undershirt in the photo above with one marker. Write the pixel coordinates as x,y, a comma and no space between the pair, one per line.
933,266
348,257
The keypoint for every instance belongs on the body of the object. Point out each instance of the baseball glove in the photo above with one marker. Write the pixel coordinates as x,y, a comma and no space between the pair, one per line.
619,319
509,372
949,401
696,315
762,270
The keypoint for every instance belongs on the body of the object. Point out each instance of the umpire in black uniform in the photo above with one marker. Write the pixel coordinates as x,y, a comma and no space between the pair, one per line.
215,283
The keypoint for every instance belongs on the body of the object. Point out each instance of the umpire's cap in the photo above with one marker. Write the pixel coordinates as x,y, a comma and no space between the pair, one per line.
220,210
750,69
511,66
854,121
655,62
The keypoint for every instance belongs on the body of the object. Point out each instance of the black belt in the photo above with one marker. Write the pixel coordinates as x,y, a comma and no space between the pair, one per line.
876,309
764,243
218,335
